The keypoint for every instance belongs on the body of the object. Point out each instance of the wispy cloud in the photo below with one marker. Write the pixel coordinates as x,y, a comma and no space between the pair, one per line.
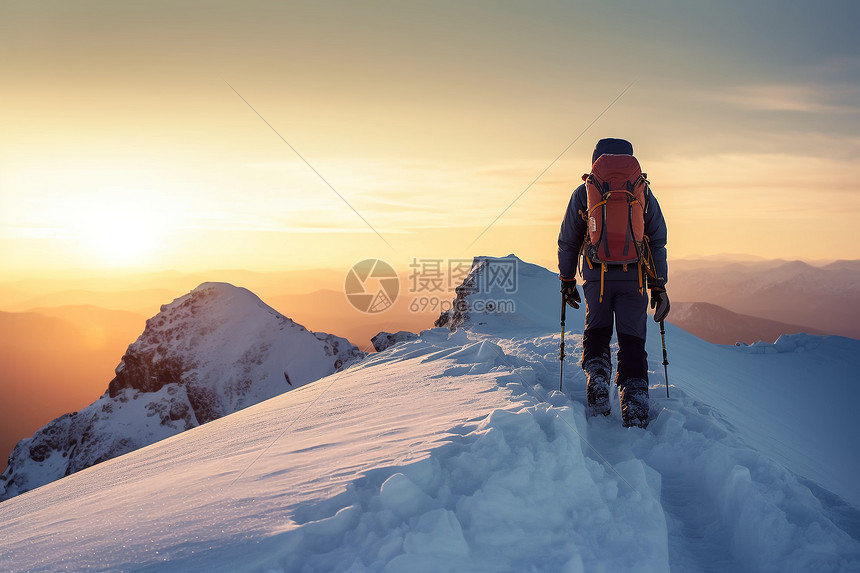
757,187
33,232
400,196
819,99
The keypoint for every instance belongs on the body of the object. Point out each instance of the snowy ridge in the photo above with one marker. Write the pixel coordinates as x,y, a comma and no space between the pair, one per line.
456,452
207,354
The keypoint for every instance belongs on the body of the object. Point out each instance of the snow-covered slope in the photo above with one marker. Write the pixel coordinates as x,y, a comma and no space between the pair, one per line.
207,354
456,452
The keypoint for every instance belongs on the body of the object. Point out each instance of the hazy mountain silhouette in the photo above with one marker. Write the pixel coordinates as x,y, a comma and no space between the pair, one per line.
722,326
54,364
825,298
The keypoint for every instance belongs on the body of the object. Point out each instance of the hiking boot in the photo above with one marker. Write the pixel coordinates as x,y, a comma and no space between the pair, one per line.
597,392
634,403
597,371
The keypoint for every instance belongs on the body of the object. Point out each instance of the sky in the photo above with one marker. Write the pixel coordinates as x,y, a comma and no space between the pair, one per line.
200,135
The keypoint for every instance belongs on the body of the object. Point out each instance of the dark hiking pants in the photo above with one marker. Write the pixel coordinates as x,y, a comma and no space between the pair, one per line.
624,306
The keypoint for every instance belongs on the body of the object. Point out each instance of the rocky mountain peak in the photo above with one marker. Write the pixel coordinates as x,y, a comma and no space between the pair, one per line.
207,354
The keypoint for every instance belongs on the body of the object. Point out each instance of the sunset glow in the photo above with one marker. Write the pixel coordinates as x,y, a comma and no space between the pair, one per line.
404,131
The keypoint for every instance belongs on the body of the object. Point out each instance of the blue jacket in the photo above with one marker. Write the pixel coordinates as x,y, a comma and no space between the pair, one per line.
572,235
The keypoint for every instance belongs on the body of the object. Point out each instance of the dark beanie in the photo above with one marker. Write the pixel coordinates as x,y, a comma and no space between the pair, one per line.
613,146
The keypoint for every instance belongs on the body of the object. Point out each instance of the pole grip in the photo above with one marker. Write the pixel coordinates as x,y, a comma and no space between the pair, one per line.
561,347
665,357
663,338
563,308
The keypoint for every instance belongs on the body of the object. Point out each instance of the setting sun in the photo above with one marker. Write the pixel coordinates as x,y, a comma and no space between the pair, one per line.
118,230
126,241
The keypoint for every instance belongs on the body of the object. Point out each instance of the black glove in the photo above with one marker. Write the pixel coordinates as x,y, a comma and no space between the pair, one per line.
571,295
659,302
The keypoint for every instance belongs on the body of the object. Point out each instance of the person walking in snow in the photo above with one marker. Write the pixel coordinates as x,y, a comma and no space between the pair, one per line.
613,265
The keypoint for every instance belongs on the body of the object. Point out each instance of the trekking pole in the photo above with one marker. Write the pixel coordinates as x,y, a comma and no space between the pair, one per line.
665,358
561,348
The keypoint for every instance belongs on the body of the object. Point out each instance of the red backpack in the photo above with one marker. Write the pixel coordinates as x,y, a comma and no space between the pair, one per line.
617,191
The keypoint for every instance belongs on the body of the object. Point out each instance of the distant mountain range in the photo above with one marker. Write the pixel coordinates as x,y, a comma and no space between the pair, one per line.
824,298
721,326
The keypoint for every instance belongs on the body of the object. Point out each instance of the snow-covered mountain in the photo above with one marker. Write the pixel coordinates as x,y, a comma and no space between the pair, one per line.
207,354
455,451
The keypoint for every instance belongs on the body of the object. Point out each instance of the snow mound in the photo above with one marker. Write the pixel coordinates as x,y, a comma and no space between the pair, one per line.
787,343
504,293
